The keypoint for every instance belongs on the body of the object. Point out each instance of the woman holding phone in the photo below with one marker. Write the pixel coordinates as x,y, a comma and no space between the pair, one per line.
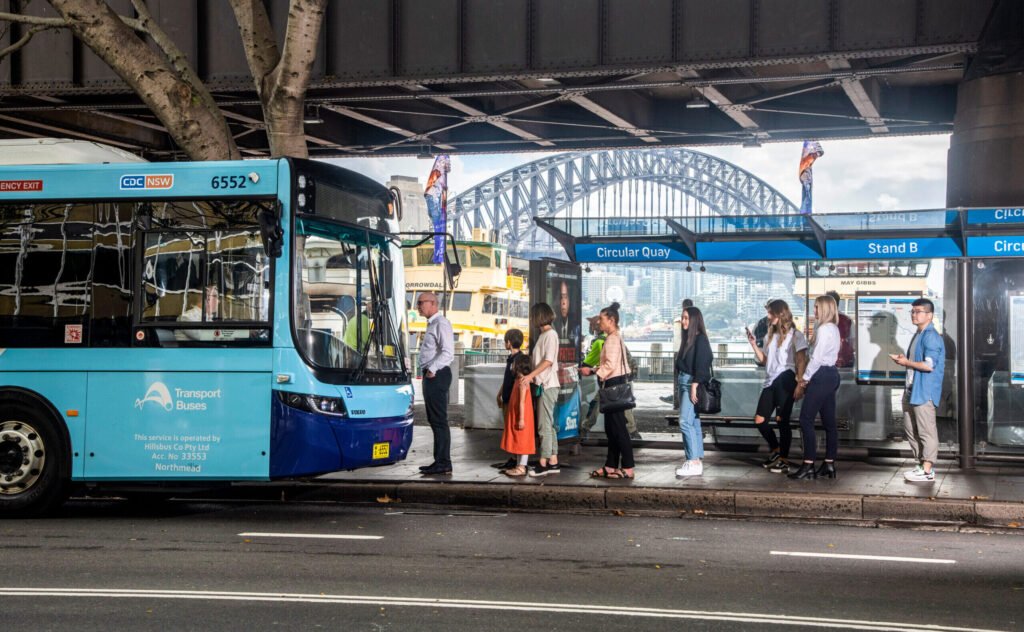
819,382
783,357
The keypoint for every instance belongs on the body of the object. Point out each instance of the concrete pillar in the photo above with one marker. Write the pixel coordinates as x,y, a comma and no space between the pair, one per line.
987,146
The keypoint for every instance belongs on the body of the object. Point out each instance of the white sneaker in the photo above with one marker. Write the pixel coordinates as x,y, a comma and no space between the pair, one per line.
691,468
917,470
919,476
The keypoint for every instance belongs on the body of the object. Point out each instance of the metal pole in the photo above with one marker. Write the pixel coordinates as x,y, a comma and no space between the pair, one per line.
965,363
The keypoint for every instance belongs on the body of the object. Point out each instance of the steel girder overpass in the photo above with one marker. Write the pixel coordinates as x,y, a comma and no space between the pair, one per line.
401,77
626,185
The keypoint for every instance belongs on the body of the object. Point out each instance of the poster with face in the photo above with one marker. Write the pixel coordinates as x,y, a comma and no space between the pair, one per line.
558,283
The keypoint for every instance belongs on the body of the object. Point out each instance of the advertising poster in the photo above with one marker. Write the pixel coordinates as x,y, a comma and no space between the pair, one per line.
883,327
559,284
1017,339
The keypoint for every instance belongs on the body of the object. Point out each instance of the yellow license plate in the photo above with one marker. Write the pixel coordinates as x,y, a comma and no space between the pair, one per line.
381,450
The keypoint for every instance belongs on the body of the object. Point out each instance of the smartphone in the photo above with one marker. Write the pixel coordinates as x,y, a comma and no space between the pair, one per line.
749,335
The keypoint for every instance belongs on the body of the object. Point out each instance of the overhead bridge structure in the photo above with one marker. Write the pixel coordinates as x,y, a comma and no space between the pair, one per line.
628,187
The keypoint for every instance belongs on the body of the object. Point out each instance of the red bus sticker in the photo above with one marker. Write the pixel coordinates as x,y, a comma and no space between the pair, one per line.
72,334
20,185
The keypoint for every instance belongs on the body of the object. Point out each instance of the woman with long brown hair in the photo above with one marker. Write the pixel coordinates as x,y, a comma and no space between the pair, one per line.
545,377
694,369
783,357
819,382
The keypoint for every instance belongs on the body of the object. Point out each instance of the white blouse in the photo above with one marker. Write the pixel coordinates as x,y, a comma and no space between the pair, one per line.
825,351
778,359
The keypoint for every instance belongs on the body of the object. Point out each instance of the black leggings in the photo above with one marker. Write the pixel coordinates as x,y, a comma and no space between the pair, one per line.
777,397
619,443
820,397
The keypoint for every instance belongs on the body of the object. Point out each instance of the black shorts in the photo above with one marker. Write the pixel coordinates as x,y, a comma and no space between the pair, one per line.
778,396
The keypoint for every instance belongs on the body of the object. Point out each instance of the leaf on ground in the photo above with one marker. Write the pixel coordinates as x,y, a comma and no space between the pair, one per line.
979,497
1015,525
658,566
699,512
618,512
388,499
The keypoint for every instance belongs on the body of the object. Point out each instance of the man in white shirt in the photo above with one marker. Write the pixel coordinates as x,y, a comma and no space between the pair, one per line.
437,350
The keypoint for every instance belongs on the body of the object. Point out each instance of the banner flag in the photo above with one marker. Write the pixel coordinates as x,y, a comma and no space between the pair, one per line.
811,152
436,195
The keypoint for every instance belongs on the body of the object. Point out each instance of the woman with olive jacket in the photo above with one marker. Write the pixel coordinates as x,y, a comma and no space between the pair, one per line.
694,365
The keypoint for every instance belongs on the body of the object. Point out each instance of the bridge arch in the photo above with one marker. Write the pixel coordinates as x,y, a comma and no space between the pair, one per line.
664,182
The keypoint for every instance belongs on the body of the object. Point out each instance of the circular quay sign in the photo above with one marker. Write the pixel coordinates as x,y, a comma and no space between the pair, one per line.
925,234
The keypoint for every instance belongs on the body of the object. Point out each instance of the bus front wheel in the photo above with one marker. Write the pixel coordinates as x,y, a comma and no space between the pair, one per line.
32,479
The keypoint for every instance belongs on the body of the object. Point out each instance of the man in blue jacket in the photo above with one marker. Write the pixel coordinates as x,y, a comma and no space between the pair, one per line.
925,361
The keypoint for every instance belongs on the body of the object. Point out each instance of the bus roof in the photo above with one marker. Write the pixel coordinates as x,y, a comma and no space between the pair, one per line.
60,151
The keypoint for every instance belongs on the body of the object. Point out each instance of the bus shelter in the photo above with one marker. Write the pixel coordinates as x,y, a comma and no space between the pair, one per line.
974,263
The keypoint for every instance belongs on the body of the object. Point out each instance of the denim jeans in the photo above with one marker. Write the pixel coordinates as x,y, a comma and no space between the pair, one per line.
689,423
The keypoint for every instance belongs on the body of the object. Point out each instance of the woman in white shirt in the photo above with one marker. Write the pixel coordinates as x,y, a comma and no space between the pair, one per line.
545,377
784,355
819,384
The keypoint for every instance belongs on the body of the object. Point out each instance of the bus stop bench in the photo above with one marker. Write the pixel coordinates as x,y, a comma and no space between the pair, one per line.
730,421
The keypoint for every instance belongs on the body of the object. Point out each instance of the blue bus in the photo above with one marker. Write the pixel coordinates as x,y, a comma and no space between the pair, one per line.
187,322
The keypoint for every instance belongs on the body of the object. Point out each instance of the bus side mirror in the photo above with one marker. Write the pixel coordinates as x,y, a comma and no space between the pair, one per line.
271,233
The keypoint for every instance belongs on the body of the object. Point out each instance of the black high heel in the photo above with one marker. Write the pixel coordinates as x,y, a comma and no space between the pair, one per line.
806,471
827,470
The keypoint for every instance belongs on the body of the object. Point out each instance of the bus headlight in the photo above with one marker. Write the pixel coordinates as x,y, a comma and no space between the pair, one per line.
327,405
332,406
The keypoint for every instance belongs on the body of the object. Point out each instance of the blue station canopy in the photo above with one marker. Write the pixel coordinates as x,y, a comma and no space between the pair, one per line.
923,234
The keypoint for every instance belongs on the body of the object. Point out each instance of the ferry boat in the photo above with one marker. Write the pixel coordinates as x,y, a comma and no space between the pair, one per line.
490,297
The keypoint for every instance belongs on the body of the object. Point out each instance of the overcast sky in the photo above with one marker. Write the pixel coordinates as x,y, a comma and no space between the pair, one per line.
888,173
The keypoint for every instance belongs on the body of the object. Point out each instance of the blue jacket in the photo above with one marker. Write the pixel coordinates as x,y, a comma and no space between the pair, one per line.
928,386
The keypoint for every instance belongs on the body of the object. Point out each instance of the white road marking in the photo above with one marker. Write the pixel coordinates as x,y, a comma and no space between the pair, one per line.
468,604
320,536
877,558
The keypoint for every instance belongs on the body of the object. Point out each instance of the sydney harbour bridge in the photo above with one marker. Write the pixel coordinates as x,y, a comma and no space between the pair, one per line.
622,185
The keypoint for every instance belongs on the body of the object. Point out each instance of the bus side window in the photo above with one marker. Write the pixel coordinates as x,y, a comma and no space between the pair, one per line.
44,274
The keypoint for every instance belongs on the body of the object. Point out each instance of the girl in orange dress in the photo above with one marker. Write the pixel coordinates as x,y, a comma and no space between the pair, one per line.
518,436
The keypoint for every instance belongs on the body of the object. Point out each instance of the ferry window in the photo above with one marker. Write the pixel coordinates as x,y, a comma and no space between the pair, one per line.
497,258
479,257
425,256
461,301
409,300
407,257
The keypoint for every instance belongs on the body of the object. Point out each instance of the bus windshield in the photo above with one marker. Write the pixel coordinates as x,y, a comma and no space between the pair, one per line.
344,315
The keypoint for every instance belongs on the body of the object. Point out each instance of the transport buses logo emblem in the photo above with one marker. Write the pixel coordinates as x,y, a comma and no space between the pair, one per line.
158,394
141,182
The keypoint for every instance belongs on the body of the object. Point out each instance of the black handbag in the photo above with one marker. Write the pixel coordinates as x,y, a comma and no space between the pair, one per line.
709,396
616,393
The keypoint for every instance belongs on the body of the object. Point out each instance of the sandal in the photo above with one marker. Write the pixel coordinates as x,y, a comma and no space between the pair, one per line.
603,472
624,474
516,471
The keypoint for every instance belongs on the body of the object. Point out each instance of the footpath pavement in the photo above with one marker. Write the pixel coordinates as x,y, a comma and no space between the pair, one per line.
870,491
